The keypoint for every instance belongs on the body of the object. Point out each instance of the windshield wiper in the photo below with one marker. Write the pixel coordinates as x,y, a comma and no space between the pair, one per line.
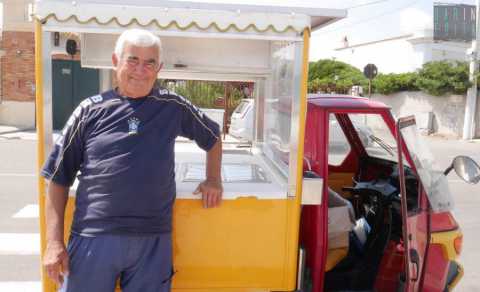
382,144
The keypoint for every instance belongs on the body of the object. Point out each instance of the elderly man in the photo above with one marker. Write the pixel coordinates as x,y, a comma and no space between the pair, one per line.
122,144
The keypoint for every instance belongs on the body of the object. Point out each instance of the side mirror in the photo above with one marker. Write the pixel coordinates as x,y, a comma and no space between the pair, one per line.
466,168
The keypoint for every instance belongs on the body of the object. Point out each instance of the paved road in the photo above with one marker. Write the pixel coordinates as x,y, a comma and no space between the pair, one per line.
19,239
467,206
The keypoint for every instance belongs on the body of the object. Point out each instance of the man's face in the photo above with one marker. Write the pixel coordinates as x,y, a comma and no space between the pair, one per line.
136,70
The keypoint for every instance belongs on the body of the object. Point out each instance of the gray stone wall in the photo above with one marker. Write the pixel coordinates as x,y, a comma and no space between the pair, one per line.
448,111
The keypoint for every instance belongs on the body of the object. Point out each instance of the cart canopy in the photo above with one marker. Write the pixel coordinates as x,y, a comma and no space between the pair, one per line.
186,16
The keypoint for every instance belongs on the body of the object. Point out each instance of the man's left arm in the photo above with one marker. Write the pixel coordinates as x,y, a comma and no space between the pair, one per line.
197,126
211,188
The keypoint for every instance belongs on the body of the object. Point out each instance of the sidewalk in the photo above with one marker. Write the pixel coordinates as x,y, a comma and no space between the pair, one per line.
13,133
8,132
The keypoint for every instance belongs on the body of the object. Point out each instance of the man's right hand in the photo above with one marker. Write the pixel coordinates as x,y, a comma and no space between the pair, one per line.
56,262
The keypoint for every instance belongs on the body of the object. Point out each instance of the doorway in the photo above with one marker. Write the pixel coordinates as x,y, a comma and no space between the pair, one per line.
71,85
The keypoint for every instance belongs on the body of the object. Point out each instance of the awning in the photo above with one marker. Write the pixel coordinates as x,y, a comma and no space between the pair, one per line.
110,16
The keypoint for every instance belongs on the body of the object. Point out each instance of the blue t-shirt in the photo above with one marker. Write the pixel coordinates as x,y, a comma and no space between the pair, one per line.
123,149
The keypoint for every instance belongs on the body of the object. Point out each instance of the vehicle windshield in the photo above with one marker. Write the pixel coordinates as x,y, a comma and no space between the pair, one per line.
433,180
241,107
376,137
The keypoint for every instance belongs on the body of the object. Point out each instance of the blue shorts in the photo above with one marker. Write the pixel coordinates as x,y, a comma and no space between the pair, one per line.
139,263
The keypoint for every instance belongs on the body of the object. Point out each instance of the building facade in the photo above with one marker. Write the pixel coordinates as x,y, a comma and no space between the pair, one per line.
402,53
404,37
71,82
17,93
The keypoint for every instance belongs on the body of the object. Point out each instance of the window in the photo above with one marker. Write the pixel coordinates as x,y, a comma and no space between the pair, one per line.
242,107
338,145
375,136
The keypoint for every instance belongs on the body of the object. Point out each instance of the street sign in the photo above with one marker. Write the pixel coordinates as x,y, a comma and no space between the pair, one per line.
370,71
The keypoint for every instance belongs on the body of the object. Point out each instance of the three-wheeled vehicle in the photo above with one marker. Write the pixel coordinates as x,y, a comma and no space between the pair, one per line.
404,237
297,214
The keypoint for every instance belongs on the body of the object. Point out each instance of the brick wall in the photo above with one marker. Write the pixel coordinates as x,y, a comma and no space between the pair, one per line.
66,57
18,66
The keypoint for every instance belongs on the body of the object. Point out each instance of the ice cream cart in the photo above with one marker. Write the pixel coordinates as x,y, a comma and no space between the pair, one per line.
250,243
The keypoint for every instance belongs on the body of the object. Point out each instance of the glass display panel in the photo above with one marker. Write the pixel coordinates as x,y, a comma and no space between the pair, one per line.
278,105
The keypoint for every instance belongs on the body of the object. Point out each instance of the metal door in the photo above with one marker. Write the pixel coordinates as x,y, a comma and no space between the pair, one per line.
71,84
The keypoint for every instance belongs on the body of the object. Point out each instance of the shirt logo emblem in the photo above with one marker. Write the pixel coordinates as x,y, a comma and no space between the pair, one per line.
133,124
97,98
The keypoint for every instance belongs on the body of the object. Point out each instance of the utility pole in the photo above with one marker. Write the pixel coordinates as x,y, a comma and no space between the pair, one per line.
471,102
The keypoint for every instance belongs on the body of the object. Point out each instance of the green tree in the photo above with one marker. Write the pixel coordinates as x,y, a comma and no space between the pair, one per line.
329,75
390,83
440,77
203,93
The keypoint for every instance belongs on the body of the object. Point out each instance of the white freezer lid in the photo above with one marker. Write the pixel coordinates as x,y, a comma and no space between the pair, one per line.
244,175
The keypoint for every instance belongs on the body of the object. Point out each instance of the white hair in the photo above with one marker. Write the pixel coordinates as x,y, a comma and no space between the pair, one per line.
138,38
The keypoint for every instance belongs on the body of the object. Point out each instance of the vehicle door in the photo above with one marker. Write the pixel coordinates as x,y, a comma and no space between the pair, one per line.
431,193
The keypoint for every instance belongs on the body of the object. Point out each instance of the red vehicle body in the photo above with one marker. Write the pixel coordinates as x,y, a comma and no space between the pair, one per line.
409,247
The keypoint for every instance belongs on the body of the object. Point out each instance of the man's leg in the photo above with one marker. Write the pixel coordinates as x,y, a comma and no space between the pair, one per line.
150,266
94,264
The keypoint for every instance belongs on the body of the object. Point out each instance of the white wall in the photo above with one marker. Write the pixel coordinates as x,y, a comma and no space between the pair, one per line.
195,53
16,15
20,114
449,51
404,54
386,20
392,56
449,111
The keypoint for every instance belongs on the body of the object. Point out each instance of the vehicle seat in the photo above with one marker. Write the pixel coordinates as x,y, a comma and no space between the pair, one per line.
334,256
